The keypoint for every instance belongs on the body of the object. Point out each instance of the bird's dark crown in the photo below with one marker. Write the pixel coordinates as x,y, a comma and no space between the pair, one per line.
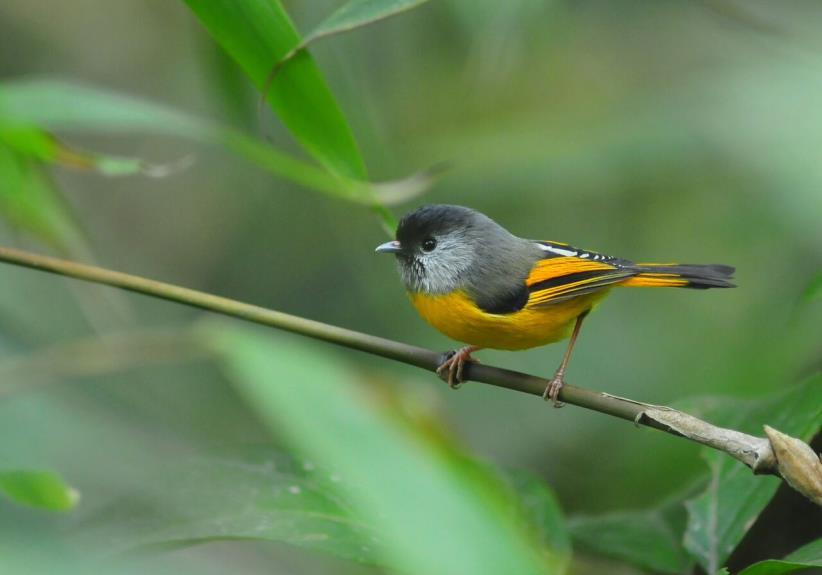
432,220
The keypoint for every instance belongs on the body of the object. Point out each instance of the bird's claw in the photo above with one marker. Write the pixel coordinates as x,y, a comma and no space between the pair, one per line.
453,365
551,392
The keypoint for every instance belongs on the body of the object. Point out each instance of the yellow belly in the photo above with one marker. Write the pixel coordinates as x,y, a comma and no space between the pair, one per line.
459,318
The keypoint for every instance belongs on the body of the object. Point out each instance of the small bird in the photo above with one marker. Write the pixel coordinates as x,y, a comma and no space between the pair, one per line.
481,285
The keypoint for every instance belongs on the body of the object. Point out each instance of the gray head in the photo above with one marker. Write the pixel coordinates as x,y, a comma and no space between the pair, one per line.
441,248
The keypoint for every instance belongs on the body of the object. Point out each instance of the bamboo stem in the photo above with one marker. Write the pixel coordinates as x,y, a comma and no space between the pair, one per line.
755,452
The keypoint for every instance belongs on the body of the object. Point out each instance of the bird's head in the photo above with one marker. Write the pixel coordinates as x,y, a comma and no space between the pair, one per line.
439,247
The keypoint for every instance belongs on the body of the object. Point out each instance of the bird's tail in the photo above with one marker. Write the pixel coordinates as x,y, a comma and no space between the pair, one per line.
682,275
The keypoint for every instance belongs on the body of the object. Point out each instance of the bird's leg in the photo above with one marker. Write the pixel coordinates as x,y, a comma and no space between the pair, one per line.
552,391
450,370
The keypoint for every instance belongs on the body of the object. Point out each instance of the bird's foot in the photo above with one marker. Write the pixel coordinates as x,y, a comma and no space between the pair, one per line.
453,364
552,391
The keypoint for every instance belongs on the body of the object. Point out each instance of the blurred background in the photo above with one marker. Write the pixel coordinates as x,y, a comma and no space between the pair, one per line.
659,131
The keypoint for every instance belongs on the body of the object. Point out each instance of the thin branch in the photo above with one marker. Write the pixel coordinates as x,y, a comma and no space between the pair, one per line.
755,452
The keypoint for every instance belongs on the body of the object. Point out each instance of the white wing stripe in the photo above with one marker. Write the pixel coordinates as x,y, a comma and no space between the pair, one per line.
558,251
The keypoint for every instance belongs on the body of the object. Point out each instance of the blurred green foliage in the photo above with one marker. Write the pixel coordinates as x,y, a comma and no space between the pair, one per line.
37,489
719,516
397,479
807,557
653,131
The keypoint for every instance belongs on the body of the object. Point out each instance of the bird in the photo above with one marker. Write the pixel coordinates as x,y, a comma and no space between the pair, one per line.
481,285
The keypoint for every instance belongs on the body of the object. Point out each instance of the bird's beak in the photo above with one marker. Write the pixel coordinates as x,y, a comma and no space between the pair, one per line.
392,247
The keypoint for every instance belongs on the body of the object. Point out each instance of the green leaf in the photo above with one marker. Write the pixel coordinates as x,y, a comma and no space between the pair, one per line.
28,201
719,517
810,553
257,33
353,14
259,493
29,142
642,538
539,504
41,489
240,493
53,105
27,198
814,289
433,515
56,105
357,13
803,558
43,146
35,105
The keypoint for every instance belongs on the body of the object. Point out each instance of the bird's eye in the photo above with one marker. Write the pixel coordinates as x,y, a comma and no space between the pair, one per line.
428,244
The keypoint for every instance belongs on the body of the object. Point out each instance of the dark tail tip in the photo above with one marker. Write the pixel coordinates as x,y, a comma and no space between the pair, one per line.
698,276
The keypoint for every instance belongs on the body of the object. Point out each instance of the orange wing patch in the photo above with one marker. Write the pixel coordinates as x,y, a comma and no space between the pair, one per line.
558,279
551,268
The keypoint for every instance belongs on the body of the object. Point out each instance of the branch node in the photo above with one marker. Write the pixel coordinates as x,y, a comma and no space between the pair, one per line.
635,402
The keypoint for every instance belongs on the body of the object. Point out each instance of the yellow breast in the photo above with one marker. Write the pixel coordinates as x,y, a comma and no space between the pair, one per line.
456,315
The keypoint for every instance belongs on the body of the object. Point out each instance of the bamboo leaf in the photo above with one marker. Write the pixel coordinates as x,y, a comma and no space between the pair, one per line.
258,32
29,108
423,504
41,145
358,13
353,14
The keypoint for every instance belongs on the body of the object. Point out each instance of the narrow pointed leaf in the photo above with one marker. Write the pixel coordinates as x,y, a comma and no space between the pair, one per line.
357,13
32,105
257,33
41,145
423,504
353,14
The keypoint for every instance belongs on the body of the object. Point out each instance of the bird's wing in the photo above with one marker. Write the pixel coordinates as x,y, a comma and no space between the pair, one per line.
567,272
